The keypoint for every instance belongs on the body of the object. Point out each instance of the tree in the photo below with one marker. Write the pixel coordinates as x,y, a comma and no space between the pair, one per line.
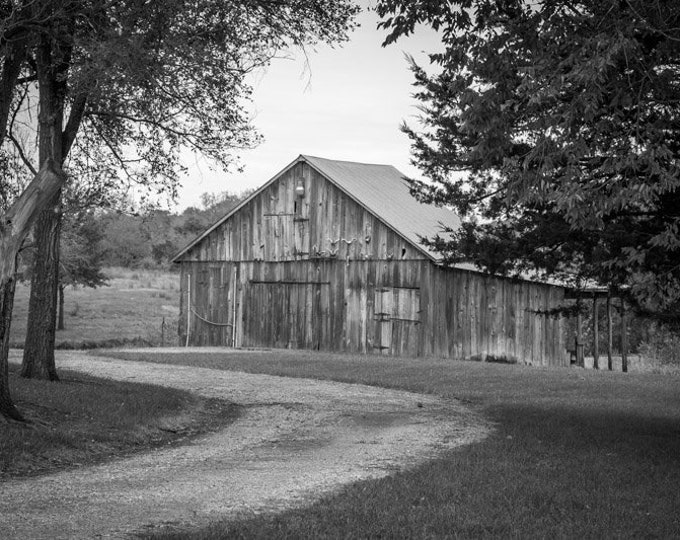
553,127
168,75
16,221
15,224
135,82
123,243
80,256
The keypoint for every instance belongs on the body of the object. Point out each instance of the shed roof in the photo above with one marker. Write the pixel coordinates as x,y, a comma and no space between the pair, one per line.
381,189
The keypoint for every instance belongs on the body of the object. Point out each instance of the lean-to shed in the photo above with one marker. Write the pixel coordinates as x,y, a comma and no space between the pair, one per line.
326,256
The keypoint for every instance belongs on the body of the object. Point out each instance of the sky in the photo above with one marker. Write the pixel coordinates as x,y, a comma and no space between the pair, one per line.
343,103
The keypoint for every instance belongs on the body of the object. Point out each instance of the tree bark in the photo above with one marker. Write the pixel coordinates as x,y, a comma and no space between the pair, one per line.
7,408
60,318
14,227
38,361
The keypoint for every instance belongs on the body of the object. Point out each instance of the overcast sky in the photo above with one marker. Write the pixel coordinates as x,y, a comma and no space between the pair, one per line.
345,103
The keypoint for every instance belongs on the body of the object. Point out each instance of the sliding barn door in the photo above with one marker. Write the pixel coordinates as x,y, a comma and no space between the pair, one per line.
286,314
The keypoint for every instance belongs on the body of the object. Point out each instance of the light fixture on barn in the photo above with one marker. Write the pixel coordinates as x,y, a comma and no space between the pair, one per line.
300,189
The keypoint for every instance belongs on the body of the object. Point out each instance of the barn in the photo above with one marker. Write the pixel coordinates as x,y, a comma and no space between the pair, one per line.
326,256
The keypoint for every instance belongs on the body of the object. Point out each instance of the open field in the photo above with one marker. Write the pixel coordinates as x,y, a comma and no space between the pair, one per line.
138,306
576,453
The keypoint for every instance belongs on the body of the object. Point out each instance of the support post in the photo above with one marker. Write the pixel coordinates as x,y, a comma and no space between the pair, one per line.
233,306
596,334
624,338
610,331
579,335
188,309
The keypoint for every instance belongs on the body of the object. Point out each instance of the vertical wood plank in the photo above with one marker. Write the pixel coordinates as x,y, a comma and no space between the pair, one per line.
579,335
624,337
610,331
596,334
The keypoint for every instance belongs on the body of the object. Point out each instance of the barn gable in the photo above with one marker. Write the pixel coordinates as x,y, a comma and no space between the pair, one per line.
317,208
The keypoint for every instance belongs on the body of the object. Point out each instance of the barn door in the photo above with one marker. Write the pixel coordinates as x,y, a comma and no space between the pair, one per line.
383,320
286,314
397,314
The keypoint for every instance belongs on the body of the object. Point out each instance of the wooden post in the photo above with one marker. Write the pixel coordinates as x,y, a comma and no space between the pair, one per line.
610,332
188,308
579,335
596,335
624,338
234,300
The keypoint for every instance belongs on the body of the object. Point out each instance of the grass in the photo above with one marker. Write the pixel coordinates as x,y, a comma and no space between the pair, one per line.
575,454
137,307
83,420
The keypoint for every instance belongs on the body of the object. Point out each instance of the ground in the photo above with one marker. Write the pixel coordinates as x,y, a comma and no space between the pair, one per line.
297,440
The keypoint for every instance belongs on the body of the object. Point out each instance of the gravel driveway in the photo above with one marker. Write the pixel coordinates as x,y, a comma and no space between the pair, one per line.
298,439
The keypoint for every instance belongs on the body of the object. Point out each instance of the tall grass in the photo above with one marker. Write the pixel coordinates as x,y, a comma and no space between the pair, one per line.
139,307
143,279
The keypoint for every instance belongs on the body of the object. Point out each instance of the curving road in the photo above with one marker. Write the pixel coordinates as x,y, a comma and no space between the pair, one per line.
298,439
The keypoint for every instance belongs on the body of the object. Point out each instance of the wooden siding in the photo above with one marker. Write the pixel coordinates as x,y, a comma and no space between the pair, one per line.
381,307
277,225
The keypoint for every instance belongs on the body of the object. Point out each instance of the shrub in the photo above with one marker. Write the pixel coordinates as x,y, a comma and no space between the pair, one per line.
662,345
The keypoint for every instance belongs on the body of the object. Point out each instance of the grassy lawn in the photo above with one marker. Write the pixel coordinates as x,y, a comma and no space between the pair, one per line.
137,306
84,420
575,454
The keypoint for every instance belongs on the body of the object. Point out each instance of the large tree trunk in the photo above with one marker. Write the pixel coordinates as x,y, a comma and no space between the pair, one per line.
38,361
14,227
60,317
7,408
16,223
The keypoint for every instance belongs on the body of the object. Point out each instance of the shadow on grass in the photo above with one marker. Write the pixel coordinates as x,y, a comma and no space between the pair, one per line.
562,472
84,420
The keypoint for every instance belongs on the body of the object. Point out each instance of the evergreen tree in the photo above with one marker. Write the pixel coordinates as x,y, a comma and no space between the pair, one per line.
553,128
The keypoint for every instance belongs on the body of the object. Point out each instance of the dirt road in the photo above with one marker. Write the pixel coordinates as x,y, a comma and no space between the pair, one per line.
297,440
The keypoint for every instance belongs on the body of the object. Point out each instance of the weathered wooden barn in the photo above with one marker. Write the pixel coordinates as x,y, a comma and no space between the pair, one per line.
326,256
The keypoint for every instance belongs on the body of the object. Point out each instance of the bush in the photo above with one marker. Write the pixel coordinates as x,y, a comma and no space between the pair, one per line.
662,345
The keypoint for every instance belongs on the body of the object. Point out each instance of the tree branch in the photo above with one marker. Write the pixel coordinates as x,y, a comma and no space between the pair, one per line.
20,151
14,58
73,124
16,223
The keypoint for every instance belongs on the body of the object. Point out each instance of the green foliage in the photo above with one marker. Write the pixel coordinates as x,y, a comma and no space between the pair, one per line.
153,238
662,345
140,82
81,254
553,127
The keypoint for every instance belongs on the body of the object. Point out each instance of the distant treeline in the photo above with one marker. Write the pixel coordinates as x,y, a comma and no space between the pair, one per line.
149,239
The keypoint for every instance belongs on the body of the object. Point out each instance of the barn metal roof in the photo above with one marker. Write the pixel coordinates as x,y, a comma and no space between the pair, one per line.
381,189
